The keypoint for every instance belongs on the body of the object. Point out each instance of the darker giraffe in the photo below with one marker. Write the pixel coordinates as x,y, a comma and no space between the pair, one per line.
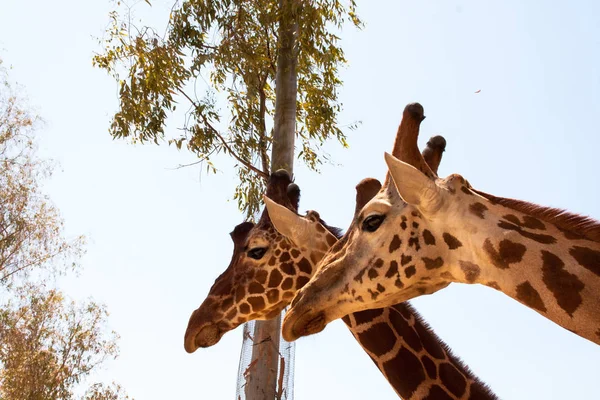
264,274
421,233
418,366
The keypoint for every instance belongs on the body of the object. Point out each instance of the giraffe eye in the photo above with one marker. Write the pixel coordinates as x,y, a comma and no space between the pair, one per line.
372,222
257,253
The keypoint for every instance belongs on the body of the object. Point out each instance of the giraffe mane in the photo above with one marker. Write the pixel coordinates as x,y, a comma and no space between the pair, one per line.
337,232
576,224
420,320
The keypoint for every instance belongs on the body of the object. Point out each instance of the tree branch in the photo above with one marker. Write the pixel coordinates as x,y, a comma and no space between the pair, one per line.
251,167
262,129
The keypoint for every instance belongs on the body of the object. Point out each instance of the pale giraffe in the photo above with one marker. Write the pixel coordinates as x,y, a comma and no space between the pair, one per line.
269,267
412,358
420,233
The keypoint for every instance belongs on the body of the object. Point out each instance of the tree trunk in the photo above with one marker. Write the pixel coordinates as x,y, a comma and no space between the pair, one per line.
262,382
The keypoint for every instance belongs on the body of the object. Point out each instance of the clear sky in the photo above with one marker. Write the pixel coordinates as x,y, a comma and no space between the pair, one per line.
158,237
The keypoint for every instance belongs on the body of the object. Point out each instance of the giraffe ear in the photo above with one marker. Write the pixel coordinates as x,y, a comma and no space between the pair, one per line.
365,191
287,222
414,187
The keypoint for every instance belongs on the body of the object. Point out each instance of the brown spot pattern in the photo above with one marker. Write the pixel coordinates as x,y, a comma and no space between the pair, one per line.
373,273
288,268
432,346
564,285
454,381
378,339
275,278
408,334
304,266
530,297
261,276
240,292
404,259
227,302
393,270
452,242
431,263
538,237
231,314
359,276
448,275
395,244
587,258
571,235
414,242
403,223
478,209
273,296
254,288
367,315
287,283
493,284
509,253
410,271
428,237
257,303
244,308
429,366
437,393
471,271
301,281
404,372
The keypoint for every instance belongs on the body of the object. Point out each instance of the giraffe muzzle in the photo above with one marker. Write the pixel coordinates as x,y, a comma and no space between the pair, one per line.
207,336
306,324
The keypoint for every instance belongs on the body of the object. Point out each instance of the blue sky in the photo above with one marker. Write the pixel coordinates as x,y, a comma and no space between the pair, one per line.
158,237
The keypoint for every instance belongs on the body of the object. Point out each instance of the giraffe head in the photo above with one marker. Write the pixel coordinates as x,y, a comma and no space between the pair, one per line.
265,272
396,248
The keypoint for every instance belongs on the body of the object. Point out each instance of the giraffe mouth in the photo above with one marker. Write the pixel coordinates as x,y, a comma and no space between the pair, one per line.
306,324
208,336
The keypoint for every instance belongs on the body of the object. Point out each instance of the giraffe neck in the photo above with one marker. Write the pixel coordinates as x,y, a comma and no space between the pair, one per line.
534,258
414,360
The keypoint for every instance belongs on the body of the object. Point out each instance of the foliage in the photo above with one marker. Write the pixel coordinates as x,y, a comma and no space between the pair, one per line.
100,391
230,46
48,344
30,226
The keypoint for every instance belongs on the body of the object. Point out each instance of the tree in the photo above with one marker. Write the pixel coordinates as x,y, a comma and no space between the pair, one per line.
243,48
100,391
48,345
230,47
30,226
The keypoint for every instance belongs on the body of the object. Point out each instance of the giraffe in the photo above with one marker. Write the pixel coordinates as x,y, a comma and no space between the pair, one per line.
416,362
420,233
